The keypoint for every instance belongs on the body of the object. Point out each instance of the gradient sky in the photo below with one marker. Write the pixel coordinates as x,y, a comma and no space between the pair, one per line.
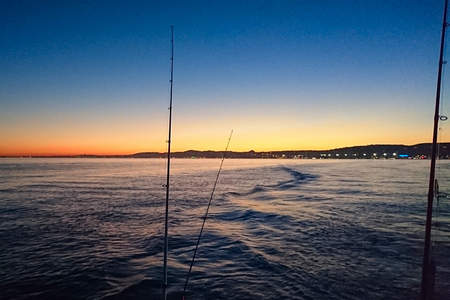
92,76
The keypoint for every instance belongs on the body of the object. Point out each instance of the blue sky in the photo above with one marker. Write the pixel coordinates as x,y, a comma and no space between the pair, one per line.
93,76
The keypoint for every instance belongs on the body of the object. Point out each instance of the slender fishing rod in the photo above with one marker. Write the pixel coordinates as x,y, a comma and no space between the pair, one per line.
206,214
166,223
426,291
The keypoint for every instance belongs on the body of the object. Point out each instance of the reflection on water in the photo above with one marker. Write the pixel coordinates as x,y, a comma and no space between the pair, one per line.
278,229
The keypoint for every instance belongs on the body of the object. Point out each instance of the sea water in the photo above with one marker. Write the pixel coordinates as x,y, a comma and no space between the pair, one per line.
277,229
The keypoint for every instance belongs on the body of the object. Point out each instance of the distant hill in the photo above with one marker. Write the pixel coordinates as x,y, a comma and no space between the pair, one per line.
356,152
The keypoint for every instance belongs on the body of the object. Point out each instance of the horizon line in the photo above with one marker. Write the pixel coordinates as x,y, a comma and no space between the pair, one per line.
193,150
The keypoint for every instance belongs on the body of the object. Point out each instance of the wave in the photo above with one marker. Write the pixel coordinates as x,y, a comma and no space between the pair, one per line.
298,178
251,215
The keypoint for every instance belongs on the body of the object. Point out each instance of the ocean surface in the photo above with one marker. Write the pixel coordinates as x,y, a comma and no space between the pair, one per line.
277,229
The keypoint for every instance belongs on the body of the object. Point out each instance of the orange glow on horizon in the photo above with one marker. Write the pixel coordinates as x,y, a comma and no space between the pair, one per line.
246,140
122,135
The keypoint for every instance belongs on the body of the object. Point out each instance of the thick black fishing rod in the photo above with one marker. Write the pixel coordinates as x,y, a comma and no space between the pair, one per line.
426,290
206,215
166,221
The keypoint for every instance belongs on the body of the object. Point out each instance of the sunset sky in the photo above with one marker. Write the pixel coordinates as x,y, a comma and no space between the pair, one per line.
92,77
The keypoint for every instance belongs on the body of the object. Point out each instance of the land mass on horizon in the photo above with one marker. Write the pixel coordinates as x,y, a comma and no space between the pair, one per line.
422,150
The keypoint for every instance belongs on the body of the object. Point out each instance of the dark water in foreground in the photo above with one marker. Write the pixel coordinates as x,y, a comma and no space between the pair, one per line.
278,229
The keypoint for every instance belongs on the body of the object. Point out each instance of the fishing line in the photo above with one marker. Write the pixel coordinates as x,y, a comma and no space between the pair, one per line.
206,214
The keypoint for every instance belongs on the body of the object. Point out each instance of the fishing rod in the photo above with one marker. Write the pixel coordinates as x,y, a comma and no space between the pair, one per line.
426,285
166,225
206,215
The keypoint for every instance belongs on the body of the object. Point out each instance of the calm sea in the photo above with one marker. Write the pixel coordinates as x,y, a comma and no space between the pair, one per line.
278,229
